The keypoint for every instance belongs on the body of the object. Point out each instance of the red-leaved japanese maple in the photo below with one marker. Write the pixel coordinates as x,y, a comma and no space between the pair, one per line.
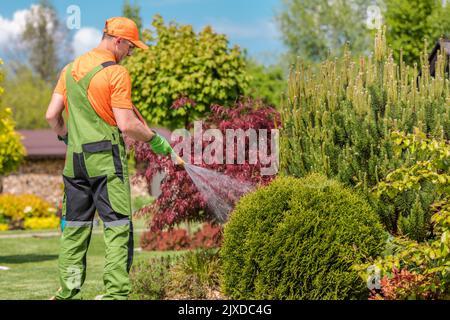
180,200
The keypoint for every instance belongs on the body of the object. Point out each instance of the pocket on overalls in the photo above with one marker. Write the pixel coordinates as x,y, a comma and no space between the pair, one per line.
118,184
119,195
98,158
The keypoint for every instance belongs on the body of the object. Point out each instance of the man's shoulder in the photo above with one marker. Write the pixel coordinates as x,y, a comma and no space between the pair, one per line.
63,70
117,70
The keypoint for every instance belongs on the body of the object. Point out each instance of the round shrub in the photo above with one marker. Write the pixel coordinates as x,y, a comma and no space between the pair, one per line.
298,239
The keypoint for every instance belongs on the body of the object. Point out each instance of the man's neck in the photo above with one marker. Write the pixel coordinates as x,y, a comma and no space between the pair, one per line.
104,46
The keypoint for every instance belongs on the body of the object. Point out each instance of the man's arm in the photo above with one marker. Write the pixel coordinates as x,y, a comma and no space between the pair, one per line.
133,125
129,123
54,115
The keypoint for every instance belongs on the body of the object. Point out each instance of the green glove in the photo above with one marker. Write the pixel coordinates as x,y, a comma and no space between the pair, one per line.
160,145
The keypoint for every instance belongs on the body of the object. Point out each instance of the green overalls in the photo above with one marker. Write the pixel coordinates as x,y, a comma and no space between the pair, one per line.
95,178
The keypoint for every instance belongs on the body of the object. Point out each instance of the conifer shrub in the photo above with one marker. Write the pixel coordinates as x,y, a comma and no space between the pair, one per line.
338,121
298,239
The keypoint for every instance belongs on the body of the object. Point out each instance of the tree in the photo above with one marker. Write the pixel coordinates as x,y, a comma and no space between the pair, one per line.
312,29
180,199
132,12
11,149
410,22
27,95
183,73
44,37
266,83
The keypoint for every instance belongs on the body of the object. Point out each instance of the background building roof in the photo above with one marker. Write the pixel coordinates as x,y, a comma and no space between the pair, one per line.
43,143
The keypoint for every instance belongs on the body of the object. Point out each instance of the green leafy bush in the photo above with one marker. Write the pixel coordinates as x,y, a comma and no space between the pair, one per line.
409,22
298,239
183,73
428,177
11,149
28,97
266,83
428,262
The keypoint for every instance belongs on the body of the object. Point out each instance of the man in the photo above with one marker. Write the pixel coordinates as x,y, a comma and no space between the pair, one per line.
96,93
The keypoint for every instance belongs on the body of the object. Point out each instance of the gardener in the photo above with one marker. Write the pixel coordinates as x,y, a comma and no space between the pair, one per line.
96,94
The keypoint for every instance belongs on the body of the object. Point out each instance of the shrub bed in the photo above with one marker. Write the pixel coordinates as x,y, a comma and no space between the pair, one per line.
298,239
209,236
26,212
191,275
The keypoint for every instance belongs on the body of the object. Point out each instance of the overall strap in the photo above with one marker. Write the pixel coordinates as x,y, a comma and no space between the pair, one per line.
84,124
84,82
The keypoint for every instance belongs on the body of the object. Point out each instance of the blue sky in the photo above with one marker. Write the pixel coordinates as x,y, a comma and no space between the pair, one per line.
247,23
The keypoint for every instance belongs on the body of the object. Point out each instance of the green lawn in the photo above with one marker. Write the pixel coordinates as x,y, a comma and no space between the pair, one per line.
33,264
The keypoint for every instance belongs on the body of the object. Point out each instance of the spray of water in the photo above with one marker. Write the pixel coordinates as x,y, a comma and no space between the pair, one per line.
220,191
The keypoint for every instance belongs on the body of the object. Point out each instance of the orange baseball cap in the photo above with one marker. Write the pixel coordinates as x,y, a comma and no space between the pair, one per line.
124,28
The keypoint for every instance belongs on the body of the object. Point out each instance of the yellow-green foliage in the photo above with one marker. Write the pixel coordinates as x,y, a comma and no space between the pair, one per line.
430,258
298,239
17,209
182,63
28,96
11,149
431,171
338,121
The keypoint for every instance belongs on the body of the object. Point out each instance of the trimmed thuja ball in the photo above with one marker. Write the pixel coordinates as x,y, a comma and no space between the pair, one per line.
298,239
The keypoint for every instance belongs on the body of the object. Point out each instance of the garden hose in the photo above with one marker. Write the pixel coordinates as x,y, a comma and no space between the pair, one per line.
179,161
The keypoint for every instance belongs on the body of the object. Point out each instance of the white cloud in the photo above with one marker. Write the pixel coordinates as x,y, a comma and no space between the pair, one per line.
85,39
10,30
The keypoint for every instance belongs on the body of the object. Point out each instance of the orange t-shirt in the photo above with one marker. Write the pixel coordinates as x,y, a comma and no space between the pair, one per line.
109,87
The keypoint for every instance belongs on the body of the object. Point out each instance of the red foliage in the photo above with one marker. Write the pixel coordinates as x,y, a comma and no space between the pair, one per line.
210,236
180,200
177,239
183,101
404,285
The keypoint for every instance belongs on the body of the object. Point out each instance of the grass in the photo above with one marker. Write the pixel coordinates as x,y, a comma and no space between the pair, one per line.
33,264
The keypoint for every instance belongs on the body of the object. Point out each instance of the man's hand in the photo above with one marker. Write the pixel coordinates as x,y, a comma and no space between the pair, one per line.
160,145
54,115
